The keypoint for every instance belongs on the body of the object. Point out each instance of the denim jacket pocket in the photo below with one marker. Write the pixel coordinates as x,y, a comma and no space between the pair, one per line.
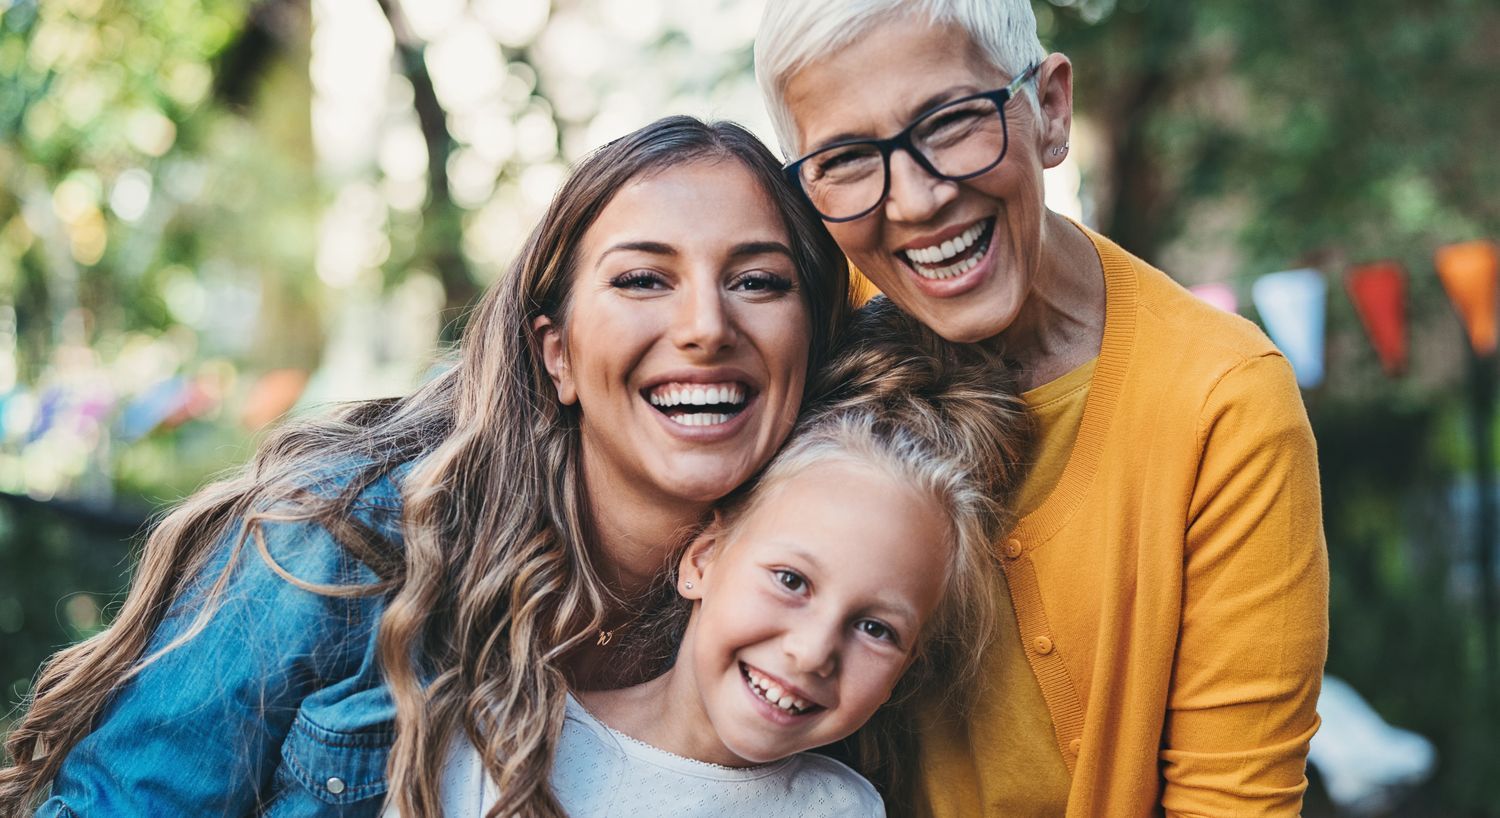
334,767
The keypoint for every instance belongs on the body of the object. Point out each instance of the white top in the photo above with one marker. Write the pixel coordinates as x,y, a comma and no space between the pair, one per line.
602,772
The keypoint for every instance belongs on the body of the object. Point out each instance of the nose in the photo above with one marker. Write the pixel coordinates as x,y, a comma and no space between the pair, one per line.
703,322
813,647
915,195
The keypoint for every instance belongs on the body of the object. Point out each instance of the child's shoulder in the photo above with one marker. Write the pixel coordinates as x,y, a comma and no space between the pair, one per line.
827,787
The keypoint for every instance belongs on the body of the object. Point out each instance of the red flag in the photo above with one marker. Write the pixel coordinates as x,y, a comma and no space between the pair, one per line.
1378,291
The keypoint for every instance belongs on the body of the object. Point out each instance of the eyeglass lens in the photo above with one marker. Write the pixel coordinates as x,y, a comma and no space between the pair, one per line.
957,140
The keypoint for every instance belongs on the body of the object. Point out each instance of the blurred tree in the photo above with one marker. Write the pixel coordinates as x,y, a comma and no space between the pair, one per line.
1342,123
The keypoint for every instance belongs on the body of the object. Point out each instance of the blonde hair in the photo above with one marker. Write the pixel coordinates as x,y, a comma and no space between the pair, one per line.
947,420
494,583
794,34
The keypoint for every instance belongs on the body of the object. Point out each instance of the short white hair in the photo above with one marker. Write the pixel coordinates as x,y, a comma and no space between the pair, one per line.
796,33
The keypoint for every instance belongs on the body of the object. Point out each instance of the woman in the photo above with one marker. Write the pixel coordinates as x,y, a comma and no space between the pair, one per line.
1168,576
455,559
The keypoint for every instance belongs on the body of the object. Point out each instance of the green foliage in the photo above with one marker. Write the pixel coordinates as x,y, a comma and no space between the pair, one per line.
1341,124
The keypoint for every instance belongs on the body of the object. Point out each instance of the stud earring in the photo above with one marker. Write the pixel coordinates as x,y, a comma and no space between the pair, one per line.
688,585
1060,151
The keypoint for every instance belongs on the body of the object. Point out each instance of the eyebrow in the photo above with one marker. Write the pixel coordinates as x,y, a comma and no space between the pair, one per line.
742,250
897,607
804,554
654,248
759,248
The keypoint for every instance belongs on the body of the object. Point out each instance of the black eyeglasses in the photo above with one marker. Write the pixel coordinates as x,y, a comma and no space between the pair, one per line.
955,141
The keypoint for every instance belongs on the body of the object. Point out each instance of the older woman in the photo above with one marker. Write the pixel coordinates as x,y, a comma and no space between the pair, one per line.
1168,575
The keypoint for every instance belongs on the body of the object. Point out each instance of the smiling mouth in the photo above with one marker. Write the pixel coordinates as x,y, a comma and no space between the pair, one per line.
699,404
953,257
772,694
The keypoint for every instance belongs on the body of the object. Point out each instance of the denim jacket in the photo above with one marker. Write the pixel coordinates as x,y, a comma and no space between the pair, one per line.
277,708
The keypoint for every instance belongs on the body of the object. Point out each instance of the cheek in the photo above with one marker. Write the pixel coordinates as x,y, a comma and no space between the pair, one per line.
876,677
859,239
784,338
605,343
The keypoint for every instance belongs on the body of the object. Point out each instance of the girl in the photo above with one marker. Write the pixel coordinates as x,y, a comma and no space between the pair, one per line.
297,636
854,569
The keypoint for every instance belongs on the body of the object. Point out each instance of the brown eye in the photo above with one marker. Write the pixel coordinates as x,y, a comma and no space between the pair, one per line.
637,280
790,580
876,629
761,281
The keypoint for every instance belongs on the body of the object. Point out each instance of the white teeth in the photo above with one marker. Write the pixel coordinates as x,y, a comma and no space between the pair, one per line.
948,249
773,694
700,418
680,394
955,269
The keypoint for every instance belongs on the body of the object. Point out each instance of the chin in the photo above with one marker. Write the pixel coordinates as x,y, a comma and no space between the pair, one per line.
702,485
966,333
964,328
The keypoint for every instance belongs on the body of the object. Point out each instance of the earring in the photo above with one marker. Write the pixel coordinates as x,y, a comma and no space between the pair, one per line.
688,585
1060,151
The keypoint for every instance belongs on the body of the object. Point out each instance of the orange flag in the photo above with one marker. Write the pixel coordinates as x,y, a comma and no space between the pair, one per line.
1469,272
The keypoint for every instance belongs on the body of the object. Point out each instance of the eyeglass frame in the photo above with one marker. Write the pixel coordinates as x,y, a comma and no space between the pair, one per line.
1000,96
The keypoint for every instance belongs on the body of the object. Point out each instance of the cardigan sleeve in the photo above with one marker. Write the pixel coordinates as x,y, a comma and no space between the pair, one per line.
1254,634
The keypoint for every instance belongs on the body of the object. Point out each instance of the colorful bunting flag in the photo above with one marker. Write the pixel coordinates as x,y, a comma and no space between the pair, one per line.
1378,291
1469,272
272,396
1219,295
1292,306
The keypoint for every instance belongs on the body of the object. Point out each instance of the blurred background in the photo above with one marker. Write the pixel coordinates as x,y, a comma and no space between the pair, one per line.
213,212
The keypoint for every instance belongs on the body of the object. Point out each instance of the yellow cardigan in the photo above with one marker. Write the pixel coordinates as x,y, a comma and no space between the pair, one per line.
1172,590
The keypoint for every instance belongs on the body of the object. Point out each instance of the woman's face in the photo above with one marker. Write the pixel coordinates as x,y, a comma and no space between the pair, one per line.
810,609
685,343
874,88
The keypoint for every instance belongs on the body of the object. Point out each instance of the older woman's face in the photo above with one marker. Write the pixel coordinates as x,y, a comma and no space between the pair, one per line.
685,345
960,256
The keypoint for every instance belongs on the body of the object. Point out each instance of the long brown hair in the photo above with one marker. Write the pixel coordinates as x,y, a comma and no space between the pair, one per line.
494,583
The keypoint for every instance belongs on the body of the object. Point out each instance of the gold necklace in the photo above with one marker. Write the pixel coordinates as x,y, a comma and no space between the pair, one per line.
607,636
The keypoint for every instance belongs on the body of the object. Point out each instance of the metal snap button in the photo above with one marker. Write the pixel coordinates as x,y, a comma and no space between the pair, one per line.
335,785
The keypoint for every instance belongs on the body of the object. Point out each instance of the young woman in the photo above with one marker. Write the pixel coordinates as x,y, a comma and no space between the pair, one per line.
1168,579
852,571
304,637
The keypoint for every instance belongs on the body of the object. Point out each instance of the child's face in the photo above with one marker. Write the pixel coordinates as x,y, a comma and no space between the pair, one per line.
816,600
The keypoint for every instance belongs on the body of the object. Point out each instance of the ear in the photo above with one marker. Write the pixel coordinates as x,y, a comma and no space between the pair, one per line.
693,570
1054,90
555,358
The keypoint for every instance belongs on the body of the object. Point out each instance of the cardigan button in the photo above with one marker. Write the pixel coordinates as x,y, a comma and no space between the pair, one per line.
1042,645
1012,548
1075,746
